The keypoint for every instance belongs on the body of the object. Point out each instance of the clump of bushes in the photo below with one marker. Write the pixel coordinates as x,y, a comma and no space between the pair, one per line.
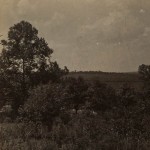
76,115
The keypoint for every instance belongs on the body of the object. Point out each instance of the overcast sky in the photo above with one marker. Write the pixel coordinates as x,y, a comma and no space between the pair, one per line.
107,35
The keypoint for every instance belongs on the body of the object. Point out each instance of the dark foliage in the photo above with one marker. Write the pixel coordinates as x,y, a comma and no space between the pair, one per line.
25,63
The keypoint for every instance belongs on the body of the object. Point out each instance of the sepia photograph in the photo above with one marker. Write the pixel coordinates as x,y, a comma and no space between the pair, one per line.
74,75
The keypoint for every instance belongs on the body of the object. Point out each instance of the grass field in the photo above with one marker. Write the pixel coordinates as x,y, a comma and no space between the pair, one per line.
116,80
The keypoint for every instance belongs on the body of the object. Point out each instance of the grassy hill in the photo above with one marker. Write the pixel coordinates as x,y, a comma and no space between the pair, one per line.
116,80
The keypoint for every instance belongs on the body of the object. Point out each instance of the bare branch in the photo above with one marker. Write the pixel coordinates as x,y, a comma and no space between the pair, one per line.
1,36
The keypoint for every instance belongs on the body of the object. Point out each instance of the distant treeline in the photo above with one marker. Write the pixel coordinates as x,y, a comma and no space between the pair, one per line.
101,72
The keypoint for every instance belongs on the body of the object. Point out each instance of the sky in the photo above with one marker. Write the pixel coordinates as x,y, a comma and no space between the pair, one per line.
87,35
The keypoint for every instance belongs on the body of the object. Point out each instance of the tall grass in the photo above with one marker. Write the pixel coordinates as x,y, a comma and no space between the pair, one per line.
79,134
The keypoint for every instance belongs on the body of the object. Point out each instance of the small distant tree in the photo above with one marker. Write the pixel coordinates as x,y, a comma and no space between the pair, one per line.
126,97
144,71
75,93
101,97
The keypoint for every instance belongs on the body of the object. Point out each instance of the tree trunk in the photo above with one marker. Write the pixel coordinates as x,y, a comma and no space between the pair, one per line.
23,80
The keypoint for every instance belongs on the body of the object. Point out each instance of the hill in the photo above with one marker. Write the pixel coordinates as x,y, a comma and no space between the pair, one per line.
116,80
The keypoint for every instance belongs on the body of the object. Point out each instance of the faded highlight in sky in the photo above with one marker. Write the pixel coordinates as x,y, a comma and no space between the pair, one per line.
107,35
